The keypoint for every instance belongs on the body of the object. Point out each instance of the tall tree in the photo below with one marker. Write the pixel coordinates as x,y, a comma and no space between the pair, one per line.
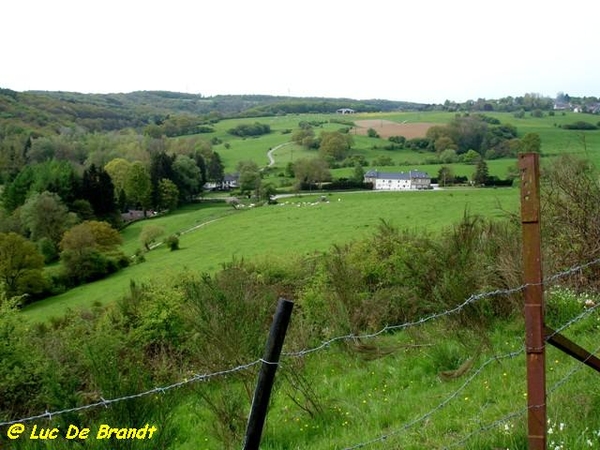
118,169
311,170
169,194
531,143
46,218
480,177
138,187
21,265
445,176
215,170
250,178
186,176
161,166
98,189
358,175
335,145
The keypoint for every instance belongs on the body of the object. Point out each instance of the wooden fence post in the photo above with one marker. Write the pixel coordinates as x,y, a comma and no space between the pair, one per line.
534,301
266,376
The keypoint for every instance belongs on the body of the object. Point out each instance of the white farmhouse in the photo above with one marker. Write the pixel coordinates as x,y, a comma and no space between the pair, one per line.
398,181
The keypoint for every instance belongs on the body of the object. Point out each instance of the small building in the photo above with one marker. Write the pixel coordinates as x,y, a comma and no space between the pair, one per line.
398,181
230,181
345,111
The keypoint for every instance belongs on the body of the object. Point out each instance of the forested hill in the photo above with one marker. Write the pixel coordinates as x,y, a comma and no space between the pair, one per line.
41,112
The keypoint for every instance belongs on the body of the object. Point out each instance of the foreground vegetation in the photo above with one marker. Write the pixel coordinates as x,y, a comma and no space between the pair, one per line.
192,292
456,379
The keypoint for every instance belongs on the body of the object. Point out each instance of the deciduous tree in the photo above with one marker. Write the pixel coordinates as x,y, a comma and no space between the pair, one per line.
149,234
250,178
334,145
138,187
89,251
46,217
21,265
187,177
168,194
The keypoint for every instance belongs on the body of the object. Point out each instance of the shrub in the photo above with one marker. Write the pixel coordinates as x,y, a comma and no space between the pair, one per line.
580,125
172,242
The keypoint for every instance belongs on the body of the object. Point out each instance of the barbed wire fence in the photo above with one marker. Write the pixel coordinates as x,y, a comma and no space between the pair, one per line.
329,343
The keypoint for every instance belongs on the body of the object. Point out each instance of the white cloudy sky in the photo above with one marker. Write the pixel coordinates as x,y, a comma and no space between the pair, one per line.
418,50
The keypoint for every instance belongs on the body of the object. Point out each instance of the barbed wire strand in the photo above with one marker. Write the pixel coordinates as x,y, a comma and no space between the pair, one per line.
577,368
442,404
581,316
156,390
472,299
325,344
490,426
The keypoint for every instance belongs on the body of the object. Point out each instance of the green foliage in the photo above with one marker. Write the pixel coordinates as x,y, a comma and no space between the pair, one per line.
46,217
187,177
249,177
400,140
54,176
334,145
149,235
564,305
571,217
138,187
579,125
481,174
98,189
172,242
89,252
168,195
255,129
20,266
531,143
372,133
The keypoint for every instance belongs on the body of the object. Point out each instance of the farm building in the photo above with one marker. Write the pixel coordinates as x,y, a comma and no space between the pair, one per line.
345,111
230,181
398,181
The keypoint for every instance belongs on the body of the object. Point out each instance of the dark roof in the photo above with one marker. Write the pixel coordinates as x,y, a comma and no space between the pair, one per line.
396,175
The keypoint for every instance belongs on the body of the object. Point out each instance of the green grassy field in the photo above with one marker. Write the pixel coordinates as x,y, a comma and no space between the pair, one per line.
555,140
297,225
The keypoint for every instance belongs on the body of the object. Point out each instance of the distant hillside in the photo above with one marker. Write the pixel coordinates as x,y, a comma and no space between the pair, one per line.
41,112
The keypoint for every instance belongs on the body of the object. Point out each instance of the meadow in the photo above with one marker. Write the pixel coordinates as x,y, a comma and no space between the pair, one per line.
555,140
296,225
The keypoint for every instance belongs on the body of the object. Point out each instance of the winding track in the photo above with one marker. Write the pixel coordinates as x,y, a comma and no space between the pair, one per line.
270,153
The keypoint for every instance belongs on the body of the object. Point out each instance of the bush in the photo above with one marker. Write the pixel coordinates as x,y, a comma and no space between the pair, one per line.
172,242
580,125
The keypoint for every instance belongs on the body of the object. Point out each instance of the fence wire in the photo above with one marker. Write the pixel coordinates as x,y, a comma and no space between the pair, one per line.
326,344
578,367
157,390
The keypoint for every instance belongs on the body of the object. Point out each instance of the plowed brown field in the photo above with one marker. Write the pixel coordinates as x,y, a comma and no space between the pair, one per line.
387,128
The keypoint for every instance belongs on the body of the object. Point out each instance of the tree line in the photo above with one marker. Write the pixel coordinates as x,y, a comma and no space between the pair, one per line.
65,196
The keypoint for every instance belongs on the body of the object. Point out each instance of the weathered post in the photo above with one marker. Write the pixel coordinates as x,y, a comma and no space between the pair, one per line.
534,301
266,376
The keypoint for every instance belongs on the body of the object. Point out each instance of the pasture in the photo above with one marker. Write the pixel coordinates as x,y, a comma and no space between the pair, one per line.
214,234
555,140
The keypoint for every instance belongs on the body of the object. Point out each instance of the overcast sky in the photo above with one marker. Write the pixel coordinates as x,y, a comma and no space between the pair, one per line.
419,50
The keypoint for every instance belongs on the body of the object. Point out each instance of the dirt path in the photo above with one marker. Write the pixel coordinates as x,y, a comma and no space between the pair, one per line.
270,153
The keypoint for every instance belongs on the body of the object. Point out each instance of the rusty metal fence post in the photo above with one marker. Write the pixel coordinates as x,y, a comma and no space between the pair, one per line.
534,301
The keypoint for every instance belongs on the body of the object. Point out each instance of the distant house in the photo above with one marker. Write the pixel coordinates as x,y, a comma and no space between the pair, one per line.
398,181
230,181
345,111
